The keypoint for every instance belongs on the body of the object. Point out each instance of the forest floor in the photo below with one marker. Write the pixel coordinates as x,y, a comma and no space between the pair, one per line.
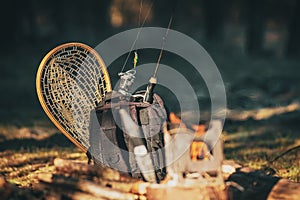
263,122
25,152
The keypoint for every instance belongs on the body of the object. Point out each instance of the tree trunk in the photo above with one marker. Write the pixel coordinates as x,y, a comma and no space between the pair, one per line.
214,19
255,26
293,42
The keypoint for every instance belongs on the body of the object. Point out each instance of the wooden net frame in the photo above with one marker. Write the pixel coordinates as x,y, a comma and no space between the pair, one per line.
71,80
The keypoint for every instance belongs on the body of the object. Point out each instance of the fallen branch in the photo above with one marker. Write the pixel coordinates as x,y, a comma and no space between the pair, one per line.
284,153
79,168
87,187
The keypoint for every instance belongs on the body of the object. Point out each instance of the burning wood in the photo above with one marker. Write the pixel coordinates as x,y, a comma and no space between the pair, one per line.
198,149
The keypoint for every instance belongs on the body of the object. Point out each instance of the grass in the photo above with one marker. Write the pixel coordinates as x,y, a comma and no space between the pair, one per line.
26,152
22,167
256,143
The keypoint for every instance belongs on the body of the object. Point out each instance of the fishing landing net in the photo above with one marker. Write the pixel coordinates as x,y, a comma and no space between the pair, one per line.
71,81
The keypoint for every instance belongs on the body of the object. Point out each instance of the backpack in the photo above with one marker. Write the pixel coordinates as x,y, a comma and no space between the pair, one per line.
113,147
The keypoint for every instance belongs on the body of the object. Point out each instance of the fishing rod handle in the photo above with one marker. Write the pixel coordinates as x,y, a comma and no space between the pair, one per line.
148,97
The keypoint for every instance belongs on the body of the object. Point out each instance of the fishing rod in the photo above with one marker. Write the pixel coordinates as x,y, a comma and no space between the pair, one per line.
127,78
148,96
140,25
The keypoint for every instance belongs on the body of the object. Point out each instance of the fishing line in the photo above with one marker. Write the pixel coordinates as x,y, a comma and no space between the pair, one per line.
138,34
165,38
163,46
148,96
141,7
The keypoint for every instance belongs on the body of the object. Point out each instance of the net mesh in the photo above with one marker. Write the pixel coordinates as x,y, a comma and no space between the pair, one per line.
72,79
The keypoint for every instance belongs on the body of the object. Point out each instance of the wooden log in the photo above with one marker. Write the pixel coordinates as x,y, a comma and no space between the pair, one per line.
64,184
122,186
105,192
285,190
258,185
80,196
5,188
186,191
102,175
74,167
136,187
54,193
80,168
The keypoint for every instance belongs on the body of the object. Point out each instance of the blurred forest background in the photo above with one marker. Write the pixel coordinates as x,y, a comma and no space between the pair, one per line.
255,44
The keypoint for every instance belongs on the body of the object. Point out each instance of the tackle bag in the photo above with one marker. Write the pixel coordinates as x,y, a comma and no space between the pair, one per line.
111,146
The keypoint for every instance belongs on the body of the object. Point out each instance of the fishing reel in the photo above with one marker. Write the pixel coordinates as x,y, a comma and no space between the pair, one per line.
126,80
